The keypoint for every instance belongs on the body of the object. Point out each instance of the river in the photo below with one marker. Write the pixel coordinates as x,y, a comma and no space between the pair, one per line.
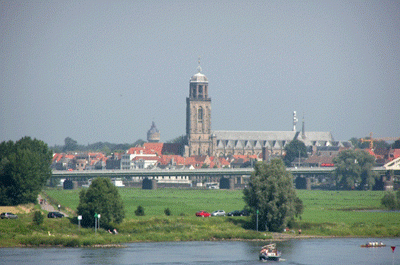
301,252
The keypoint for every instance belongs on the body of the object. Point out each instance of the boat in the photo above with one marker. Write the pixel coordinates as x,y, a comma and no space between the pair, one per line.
373,245
269,252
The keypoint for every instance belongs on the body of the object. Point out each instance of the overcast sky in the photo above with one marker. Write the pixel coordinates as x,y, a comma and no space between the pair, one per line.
104,70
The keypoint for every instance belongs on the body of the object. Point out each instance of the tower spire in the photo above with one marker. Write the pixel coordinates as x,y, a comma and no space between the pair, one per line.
294,121
303,130
199,67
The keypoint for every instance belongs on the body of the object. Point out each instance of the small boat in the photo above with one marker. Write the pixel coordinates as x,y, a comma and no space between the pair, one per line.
269,252
373,245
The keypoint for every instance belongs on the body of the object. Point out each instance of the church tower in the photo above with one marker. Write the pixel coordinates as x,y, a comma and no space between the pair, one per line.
198,116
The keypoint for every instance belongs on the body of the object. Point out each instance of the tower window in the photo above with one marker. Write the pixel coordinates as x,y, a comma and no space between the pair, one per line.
200,115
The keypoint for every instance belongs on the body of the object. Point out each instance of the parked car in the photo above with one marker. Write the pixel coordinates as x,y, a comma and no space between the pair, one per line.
218,213
244,213
203,214
234,213
55,215
8,216
239,213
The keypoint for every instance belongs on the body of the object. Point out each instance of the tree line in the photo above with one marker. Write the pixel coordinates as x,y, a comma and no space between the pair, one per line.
24,170
71,145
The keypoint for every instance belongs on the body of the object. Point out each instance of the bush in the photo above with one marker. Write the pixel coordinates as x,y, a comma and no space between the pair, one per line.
38,218
139,211
390,201
167,212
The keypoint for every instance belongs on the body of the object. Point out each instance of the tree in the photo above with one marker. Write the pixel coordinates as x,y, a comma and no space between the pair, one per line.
391,200
101,197
354,170
293,150
139,211
70,145
178,140
396,144
24,170
271,192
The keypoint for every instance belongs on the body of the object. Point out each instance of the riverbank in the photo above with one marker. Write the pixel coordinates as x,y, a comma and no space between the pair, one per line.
326,214
22,232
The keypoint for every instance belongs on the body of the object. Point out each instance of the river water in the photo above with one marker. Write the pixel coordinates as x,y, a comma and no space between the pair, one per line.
305,251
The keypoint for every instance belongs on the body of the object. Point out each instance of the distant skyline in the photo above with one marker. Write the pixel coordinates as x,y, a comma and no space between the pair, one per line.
103,71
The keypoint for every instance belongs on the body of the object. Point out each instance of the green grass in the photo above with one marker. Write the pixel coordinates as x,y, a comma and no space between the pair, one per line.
346,213
326,213
180,202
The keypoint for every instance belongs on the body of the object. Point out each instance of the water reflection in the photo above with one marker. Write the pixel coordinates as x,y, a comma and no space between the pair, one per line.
315,251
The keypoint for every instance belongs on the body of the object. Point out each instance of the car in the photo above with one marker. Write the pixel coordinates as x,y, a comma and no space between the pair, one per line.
239,213
8,216
234,213
203,214
244,213
218,213
55,215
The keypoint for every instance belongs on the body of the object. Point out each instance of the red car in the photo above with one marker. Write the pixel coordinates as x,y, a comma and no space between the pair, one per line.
203,214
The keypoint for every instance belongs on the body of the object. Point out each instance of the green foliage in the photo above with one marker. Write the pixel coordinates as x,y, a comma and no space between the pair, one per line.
38,218
271,192
396,145
101,197
178,140
70,145
24,170
292,151
167,212
391,200
139,211
105,147
354,170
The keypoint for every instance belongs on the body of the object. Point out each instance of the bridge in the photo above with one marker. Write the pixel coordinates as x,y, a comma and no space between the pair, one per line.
235,176
143,173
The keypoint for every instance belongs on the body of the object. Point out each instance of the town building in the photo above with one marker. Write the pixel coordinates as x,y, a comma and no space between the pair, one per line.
202,141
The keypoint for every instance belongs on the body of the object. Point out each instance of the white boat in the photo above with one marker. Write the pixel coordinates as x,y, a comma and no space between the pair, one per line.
269,252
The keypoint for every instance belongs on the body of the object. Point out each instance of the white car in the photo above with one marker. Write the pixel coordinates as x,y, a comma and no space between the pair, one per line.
218,213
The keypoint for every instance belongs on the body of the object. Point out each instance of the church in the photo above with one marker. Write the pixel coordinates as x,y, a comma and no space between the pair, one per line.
202,141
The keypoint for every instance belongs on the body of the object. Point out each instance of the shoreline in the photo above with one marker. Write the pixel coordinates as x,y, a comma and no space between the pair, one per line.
276,237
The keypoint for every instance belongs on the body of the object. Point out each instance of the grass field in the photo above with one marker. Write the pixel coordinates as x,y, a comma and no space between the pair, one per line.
342,213
326,213
180,202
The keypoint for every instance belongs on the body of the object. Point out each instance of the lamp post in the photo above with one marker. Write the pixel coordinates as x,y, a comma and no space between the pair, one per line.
79,221
95,223
257,220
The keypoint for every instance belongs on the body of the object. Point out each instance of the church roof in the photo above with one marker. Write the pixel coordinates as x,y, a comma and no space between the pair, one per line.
199,78
271,138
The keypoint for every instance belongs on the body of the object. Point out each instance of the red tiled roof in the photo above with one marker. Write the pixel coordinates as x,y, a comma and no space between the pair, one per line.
166,159
319,160
163,148
156,147
138,150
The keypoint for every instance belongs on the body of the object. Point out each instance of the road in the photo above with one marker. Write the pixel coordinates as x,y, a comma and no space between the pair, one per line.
48,207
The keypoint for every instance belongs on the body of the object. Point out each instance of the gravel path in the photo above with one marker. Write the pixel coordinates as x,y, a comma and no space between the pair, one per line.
48,207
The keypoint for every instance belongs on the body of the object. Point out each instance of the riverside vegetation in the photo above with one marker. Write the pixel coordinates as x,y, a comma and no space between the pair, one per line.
326,213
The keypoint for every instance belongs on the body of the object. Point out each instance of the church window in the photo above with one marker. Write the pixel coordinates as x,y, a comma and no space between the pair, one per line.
200,115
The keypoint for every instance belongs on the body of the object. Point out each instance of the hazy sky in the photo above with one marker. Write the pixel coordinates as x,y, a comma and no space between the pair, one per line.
104,70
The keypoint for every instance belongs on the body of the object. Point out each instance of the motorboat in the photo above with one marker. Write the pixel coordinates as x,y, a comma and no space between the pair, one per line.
373,245
269,252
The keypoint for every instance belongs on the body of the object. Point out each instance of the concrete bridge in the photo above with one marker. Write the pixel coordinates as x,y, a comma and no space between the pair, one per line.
236,177
231,172
143,173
